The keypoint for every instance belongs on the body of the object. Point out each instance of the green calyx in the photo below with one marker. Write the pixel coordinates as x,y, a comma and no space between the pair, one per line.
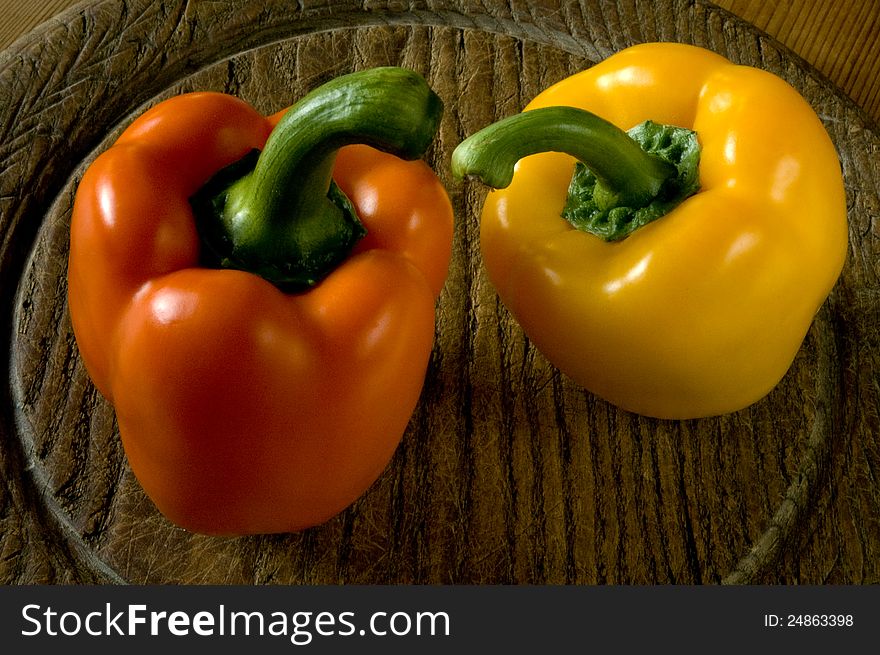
594,208
278,213
622,180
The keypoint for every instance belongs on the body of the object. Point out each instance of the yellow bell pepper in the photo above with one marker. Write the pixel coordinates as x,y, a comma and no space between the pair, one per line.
702,310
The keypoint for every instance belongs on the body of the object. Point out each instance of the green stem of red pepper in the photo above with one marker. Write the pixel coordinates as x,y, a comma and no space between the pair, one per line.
622,180
278,213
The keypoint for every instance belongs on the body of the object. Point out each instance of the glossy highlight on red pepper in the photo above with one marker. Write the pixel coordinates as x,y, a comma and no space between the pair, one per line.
243,408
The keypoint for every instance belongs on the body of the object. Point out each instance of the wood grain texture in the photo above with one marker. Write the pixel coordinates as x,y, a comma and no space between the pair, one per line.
19,17
508,473
841,38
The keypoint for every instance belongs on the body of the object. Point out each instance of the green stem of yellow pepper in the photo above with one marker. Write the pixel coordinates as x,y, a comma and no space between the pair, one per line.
622,181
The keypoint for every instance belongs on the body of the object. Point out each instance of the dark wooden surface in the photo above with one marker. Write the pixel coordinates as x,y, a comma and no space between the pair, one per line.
508,473
840,38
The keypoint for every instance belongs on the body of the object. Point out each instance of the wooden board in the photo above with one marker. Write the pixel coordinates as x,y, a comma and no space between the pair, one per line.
508,472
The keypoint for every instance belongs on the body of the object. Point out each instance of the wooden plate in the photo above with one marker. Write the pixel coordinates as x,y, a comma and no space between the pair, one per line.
508,473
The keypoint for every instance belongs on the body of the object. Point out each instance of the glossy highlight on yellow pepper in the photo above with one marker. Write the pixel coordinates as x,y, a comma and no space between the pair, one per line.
702,311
